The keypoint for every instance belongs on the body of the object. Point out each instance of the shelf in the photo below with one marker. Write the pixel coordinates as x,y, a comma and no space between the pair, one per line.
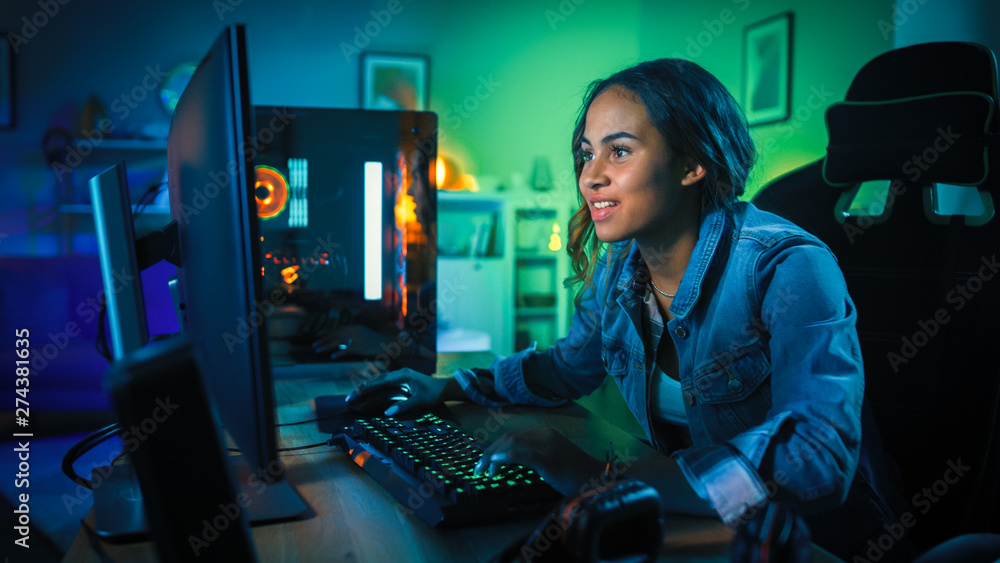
470,227
541,304
490,258
87,209
535,256
475,270
536,311
121,144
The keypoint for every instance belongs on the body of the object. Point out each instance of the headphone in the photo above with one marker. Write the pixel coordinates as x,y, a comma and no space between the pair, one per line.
621,521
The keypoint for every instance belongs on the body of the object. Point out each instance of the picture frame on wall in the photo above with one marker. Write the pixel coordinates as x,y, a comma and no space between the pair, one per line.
394,81
6,85
767,64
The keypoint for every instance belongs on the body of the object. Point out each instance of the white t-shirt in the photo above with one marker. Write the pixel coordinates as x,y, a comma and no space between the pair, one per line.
666,401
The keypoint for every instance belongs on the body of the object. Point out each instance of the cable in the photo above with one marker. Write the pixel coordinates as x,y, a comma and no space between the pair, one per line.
102,338
310,446
294,448
300,422
309,420
145,200
88,443
95,542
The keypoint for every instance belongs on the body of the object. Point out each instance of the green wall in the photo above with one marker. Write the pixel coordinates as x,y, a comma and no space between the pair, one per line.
507,79
831,41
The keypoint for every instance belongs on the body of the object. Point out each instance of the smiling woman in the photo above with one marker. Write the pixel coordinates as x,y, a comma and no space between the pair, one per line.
633,186
729,330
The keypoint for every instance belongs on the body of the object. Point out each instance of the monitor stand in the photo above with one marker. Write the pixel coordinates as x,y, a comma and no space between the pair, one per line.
118,506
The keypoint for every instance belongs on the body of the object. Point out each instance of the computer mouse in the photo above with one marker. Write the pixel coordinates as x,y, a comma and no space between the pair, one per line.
372,400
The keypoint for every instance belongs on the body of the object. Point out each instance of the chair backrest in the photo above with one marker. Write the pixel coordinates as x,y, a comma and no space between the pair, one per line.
926,287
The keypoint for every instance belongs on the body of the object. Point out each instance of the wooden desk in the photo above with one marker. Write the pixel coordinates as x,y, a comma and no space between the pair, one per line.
352,518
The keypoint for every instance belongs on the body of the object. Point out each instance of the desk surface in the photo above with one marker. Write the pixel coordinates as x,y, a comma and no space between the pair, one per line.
353,518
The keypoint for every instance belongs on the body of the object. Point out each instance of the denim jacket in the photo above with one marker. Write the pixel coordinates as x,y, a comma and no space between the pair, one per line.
770,365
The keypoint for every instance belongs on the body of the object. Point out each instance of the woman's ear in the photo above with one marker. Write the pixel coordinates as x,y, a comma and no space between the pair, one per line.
693,173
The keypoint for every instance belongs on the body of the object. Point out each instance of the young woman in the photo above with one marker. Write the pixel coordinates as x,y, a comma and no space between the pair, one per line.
729,330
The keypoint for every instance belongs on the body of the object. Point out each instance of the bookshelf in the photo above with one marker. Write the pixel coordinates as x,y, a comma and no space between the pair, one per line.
474,274
541,304
501,265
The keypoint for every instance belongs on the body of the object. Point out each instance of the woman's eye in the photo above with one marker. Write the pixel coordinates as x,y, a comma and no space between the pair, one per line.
619,152
586,155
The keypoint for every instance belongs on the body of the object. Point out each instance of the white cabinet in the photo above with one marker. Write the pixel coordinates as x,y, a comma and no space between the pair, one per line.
501,265
474,274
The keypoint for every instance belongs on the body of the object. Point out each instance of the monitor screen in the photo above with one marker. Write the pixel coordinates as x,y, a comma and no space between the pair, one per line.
224,306
120,270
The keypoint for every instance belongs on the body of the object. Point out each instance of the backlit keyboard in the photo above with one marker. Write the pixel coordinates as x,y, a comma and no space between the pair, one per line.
428,466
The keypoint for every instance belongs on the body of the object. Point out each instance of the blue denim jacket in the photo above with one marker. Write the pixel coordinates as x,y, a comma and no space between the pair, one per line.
770,364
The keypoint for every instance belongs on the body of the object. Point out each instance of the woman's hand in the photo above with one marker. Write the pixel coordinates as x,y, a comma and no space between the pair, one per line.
560,462
426,392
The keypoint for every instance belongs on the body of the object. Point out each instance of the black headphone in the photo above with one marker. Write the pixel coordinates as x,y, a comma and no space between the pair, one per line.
616,522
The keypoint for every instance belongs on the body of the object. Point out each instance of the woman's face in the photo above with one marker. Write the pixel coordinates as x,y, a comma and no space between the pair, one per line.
630,180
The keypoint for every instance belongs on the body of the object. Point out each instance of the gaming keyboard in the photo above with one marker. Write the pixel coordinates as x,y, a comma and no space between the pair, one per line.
428,466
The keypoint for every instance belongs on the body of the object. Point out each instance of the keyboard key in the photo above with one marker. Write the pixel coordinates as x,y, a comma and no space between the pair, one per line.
435,452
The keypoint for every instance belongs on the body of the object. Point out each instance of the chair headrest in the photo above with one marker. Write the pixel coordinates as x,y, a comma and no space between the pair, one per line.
935,138
927,68
925,113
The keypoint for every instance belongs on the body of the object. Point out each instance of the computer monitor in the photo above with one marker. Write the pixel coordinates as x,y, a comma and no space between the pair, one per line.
214,240
210,174
120,270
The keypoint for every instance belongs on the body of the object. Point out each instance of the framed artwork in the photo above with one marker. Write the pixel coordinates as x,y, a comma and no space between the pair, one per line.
6,85
767,66
394,82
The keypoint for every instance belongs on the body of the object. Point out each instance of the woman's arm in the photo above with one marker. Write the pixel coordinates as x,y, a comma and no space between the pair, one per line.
569,369
806,450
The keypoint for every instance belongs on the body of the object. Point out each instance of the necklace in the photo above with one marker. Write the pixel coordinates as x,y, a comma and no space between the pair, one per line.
658,290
